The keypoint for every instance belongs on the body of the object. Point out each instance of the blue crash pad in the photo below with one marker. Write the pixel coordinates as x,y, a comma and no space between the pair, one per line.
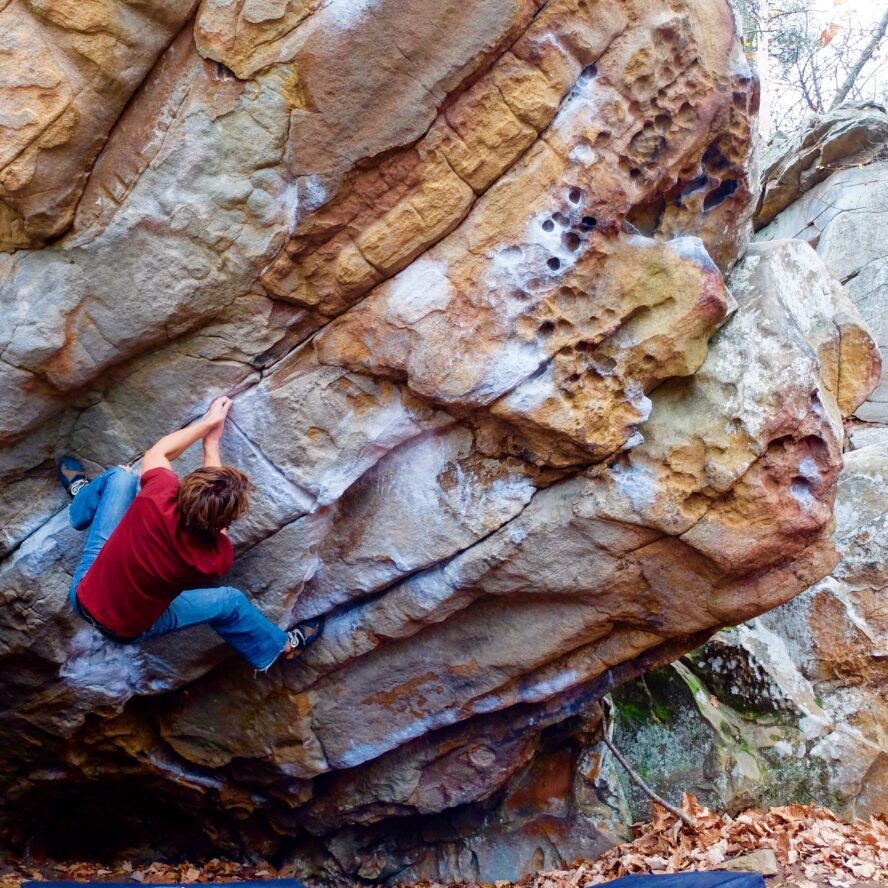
712,879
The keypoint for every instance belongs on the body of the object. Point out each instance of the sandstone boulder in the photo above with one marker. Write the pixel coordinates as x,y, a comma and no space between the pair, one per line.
463,273
841,648
790,706
66,72
830,187
845,137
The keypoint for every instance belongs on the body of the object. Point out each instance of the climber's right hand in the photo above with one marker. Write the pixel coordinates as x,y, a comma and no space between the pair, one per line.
171,446
218,411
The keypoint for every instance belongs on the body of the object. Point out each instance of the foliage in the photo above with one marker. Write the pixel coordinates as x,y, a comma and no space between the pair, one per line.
819,53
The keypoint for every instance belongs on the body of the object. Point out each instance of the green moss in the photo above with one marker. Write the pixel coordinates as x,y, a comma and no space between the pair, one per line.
790,780
765,716
661,711
693,683
631,711
647,700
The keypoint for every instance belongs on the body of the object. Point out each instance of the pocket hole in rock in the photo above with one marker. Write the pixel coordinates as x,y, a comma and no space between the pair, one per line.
694,185
223,72
719,195
571,241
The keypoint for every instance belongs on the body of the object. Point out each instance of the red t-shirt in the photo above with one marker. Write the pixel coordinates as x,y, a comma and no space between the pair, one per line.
149,559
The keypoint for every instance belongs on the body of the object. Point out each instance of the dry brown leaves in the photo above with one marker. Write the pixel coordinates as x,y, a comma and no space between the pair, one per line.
151,874
811,844
806,839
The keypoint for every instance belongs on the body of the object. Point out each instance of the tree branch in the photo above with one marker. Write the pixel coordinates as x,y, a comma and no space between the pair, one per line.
815,82
865,56
687,819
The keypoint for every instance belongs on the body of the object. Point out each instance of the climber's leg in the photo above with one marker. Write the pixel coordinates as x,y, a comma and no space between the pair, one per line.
99,506
233,617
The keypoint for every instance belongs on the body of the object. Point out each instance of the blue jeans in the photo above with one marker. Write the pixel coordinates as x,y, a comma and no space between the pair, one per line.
99,506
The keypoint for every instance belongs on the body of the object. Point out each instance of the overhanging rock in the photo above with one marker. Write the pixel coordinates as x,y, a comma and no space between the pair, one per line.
511,431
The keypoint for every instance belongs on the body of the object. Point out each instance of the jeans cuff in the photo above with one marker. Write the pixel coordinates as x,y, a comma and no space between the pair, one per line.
274,660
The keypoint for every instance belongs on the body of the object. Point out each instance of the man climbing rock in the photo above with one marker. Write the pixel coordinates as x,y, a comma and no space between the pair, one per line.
149,550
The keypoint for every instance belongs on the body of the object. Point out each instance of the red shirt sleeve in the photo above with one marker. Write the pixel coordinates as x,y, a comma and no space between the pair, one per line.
159,479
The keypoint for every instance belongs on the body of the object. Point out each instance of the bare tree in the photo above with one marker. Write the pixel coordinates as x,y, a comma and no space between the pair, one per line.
867,53
810,58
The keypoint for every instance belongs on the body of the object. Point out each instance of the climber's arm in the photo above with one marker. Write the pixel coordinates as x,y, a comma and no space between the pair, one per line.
211,455
171,446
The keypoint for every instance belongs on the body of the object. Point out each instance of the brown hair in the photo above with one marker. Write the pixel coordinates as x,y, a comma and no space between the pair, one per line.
212,497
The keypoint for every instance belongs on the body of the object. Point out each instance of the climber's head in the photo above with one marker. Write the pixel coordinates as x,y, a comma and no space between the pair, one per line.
212,497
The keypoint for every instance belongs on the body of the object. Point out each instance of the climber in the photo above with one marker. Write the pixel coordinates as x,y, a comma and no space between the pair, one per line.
145,549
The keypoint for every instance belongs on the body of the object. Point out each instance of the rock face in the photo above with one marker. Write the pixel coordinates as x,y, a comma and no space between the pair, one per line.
66,72
842,655
830,188
790,706
463,271
846,137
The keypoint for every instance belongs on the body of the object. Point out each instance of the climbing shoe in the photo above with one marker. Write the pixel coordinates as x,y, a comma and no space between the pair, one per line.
304,635
72,474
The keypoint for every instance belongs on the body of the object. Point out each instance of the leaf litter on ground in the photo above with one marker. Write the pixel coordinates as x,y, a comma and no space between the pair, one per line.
813,847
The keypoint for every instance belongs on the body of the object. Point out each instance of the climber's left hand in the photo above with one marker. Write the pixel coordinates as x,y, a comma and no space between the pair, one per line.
218,412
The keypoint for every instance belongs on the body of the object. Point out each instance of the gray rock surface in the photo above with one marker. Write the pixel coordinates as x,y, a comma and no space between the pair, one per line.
848,136
838,205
